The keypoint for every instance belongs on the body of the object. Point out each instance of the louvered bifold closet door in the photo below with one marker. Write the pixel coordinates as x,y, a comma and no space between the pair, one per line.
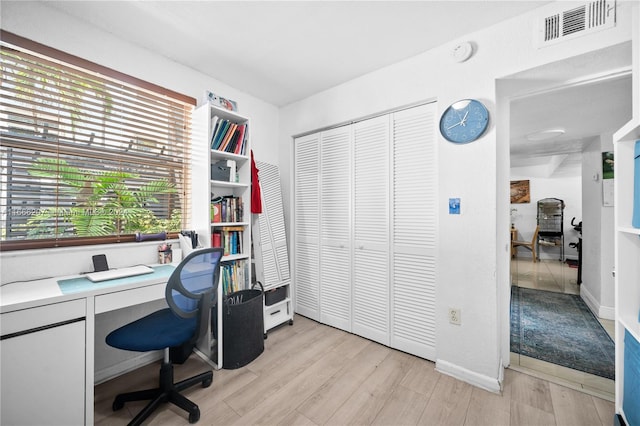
335,230
272,256
371,229
306,230
414,231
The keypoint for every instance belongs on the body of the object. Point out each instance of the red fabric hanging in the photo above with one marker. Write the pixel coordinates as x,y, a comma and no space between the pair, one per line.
256,195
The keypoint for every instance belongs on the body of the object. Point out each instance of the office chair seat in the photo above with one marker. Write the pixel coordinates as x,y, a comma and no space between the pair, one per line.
159,330
190,293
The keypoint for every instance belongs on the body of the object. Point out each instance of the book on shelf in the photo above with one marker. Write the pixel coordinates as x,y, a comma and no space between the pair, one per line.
233,142
229,137
214,126
229,238
243,140
219,133
231,209
239,148
216,239
216,212
234,276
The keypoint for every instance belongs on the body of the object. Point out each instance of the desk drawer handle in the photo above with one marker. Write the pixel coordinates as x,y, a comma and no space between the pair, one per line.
275,312
41,328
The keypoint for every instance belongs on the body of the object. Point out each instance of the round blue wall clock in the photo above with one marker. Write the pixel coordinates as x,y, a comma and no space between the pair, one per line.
464,121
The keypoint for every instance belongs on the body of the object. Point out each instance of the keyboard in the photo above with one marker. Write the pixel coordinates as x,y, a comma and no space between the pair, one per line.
112,274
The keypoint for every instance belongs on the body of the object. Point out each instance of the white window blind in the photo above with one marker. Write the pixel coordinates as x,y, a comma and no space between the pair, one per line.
86,158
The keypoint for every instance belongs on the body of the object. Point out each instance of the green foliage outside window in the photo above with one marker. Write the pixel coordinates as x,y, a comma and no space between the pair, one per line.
100,203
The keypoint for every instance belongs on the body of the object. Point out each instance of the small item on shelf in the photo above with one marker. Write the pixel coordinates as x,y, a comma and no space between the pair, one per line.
165,254
219,101
224,170
275,295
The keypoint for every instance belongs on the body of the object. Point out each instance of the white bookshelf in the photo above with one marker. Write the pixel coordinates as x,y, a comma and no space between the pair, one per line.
204,189
627,255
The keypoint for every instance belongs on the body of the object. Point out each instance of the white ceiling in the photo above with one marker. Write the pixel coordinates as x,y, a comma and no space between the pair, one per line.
586,96
583,111
285,51
282,52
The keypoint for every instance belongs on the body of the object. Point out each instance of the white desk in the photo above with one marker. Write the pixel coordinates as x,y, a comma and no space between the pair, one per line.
47,328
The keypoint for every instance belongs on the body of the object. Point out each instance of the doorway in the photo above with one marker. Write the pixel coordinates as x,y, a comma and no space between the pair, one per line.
581,109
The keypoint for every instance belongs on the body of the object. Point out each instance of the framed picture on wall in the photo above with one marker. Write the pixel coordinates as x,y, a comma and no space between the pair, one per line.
607,178
520,192
607,165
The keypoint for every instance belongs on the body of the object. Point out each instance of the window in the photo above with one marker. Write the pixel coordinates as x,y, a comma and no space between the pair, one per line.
86,156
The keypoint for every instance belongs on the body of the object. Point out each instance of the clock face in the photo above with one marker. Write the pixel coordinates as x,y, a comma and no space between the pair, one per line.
464,121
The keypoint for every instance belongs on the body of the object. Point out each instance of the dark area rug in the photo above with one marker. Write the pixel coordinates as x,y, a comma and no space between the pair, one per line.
560,328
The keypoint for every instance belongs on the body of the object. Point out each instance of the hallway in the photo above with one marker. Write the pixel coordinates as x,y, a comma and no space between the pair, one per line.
552,275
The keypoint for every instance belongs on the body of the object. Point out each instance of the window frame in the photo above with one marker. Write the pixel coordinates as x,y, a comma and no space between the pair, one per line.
10,40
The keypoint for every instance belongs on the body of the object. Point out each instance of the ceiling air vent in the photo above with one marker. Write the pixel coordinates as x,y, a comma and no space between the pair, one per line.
570,23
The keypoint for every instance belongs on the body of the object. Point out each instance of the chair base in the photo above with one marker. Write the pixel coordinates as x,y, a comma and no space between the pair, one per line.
166,392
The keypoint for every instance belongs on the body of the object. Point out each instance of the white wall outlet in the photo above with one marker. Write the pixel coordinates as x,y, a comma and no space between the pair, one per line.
454,316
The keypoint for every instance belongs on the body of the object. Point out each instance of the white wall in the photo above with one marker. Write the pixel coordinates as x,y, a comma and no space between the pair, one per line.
597,233
470,244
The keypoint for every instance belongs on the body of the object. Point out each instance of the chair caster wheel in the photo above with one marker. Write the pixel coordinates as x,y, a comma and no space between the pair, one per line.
290,322
117,405
265,336
194,416
207,383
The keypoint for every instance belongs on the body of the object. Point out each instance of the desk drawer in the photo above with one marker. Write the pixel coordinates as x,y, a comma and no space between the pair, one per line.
134,296
41,316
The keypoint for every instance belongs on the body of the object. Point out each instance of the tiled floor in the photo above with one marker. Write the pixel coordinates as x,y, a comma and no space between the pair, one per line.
550,275
553,275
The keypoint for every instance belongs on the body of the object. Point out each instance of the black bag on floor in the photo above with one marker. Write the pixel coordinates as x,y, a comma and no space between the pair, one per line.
242,327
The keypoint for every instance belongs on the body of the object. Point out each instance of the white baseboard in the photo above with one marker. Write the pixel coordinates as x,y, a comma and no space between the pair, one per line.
126,366
604,312
607,312
488,383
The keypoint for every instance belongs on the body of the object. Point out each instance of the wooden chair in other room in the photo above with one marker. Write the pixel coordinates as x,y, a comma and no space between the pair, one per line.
531,245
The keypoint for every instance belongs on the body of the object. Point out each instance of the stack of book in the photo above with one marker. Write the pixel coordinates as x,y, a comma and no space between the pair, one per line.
233,276
227,209
228,136
229,238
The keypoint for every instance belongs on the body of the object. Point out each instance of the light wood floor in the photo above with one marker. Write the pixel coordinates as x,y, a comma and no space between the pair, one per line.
311,374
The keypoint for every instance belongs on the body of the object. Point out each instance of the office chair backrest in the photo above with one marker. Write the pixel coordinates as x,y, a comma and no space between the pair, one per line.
198,274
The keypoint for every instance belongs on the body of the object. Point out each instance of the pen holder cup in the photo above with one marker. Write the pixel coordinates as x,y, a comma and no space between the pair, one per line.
165,257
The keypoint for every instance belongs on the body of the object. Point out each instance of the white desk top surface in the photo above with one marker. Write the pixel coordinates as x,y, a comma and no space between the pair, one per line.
29,294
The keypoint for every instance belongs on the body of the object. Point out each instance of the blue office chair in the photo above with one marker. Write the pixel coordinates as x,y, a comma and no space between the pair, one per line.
191,292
